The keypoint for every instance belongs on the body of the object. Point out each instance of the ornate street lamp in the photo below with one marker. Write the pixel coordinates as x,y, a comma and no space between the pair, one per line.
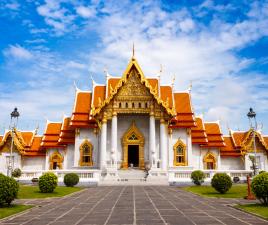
13,123
252,116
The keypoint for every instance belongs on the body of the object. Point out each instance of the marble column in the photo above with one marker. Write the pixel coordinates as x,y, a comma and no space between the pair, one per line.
103,144
152,141
163,144
189,147
170,150
114,140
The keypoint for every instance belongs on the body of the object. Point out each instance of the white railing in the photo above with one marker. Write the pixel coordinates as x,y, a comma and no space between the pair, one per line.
84,175
185,175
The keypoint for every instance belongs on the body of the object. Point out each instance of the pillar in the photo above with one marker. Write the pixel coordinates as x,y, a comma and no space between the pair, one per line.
152,153
163,144
114,140
103,143
170,150
189,147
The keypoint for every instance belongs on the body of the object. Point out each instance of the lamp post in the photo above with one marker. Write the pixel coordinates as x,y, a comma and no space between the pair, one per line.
252,116
13,123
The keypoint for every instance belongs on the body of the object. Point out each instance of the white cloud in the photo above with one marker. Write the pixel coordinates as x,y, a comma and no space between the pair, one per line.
85,12
18,52
13,6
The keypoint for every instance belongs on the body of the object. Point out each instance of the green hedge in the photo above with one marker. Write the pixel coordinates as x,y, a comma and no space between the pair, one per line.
221,182
198,177
71,179
8,189
48,182
259,187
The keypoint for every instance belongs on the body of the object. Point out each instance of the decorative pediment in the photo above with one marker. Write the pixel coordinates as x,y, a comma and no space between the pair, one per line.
248,143
18,142
133,135
131,86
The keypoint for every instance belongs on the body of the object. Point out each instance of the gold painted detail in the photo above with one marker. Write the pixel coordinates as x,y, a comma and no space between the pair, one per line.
55,161
134,89
18,142
86,156
179,154
209,161
248,144
133,136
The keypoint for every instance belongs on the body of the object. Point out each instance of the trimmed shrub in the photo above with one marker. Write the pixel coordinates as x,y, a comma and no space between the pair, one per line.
48,182
259,187
8,189
16,173
198,177
221,182
71,179
262,171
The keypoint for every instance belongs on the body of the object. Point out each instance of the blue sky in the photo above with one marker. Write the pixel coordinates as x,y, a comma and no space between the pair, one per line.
221,47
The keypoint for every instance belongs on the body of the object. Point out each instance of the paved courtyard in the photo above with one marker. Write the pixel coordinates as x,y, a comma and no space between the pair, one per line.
133,205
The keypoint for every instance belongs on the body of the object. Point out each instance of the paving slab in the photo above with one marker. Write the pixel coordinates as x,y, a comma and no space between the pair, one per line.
137,205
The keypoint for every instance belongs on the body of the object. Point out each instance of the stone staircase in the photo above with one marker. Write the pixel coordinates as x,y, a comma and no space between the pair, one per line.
132,177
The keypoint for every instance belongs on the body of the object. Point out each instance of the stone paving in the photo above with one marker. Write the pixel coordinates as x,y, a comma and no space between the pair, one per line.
139,205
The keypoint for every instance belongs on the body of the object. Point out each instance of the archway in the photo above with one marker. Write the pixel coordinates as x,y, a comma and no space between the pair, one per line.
133,148
56,160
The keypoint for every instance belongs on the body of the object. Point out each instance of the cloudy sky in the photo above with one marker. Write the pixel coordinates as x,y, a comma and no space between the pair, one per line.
221,47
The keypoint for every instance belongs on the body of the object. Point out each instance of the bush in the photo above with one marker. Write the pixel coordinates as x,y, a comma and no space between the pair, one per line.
8,189
198,177
221,182
262,171
16,173
48,182
71,179
259,187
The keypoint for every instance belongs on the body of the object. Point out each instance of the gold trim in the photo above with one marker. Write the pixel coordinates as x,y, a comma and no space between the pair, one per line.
81,163
177,144
126,141
210,157
56,157
123,80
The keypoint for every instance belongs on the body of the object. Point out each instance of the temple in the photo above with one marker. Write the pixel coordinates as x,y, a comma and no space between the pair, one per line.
129,125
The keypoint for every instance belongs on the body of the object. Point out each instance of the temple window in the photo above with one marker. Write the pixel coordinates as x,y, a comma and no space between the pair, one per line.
55,161
146,105
139,105
86,154
126,105
133,105
209,161
120,105
179,154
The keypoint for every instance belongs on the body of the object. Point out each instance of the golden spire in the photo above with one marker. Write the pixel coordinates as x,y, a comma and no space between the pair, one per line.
133,51
173,82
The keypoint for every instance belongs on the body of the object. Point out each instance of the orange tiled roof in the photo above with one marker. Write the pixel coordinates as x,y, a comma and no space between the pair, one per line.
27,137
199,135
153,83
35,149
238,137
67,133
112,83
214,135
81,113
185,116
1,138
166,95
229,149
99,95
265,138
51,135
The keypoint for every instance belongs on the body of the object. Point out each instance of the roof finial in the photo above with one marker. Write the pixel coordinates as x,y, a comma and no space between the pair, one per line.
92,82
160,72
173,82
133,51
75,86
190,86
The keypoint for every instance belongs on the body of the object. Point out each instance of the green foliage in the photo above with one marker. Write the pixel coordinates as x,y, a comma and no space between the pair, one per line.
48,182
8,189
71,179
16,173
262,171
259,187
221,182
198,177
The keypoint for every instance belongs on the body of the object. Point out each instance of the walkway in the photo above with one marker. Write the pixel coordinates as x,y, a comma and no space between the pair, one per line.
133,205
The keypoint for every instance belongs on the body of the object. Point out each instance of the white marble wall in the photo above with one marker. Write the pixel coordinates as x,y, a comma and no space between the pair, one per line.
232,163
86,134
34,163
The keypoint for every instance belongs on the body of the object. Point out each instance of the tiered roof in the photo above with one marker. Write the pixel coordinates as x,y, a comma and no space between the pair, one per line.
88,105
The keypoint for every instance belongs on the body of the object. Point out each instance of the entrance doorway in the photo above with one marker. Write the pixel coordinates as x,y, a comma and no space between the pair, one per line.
133,155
